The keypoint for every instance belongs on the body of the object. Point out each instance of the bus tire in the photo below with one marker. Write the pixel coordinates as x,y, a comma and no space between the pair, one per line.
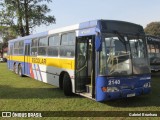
61,80
20,71
67,85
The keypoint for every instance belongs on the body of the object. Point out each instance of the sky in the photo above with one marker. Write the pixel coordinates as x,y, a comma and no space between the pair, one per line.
69,12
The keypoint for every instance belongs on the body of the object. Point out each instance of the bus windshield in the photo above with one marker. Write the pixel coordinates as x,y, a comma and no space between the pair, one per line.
123,55
154,58
154,52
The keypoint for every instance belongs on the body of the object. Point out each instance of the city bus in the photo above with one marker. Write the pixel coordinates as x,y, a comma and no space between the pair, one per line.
153,45
99,59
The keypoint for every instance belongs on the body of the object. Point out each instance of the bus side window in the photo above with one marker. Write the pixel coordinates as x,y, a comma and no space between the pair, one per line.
42,46
67,48
34,46
16,46
21,47
54,42
10,51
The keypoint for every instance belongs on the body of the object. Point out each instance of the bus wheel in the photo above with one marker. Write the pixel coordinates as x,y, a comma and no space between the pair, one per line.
67,85
20,71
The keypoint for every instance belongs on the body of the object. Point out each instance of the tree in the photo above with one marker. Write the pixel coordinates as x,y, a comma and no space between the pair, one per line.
25,15
7,33
153,28
9,16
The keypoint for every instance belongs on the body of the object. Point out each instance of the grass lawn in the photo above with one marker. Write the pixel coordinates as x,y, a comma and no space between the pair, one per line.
26,94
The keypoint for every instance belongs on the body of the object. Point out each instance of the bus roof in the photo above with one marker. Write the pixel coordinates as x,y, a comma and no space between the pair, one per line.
80,26
153,38
88,24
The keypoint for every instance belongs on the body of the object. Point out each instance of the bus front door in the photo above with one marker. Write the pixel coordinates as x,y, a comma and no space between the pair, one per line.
84,73
27,59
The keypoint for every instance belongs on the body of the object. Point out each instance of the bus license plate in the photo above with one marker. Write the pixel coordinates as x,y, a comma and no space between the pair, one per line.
131,95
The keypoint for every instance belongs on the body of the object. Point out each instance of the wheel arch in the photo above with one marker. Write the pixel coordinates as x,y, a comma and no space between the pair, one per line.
19,64
14,65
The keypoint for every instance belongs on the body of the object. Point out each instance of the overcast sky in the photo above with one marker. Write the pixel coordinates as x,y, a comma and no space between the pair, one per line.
69,12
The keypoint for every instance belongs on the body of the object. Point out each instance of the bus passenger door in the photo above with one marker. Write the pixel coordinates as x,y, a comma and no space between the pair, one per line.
84,73
27,59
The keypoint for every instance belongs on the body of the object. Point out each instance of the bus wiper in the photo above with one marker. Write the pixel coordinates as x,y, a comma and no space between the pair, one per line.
121,38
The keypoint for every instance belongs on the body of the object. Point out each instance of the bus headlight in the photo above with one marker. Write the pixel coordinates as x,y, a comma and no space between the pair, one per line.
110,89
146,85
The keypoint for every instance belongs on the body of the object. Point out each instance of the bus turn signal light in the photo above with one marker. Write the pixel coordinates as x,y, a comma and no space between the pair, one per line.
104,89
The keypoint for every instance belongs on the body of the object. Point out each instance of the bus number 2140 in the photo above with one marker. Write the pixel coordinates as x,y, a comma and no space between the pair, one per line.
114,82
